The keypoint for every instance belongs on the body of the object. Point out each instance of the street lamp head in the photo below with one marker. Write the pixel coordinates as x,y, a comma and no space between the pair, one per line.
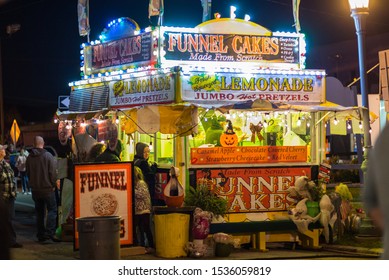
359,6
359,12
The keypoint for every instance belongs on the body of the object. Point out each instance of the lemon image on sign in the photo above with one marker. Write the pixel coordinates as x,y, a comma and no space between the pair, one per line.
118,88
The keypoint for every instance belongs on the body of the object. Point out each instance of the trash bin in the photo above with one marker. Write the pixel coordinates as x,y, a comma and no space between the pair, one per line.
99,237
172,230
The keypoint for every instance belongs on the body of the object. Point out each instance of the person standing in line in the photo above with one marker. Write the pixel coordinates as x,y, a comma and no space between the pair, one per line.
8,196
41,168
112,153
142,153
376,190
21,166
142,211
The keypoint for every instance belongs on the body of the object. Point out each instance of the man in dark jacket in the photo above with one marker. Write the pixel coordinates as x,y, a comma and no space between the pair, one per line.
142,153
41,168
111,153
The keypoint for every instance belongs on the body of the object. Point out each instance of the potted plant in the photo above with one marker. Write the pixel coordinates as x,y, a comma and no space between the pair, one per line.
208,205
204,198
224,244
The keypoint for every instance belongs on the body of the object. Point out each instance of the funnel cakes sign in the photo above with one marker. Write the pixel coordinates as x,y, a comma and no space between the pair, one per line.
105,190
252,189
125,51
232,48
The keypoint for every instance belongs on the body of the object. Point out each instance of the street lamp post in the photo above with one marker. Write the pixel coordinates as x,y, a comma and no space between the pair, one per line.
359,12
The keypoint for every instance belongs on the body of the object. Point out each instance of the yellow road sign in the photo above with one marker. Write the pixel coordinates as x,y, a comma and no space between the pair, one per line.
15,132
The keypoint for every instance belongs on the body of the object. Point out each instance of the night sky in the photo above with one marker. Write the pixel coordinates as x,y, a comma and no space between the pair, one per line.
44,56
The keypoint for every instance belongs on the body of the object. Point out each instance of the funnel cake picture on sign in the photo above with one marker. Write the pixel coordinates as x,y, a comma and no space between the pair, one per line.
105,204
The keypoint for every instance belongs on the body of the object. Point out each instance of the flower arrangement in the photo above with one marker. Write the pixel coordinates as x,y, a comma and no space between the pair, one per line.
344,192
223,238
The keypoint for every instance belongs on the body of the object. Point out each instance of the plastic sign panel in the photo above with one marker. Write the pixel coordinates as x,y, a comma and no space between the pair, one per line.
105,190
249,154
255,50
133,50
221,88
252,189
144,90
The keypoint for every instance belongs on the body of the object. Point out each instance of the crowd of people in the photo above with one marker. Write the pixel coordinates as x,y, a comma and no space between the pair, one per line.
37,172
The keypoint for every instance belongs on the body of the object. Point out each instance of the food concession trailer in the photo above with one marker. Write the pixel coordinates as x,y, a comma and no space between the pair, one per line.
228,102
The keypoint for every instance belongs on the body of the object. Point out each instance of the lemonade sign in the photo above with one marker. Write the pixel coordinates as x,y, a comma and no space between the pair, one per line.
205,82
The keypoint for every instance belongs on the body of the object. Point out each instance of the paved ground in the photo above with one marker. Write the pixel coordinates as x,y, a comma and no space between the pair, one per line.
32,250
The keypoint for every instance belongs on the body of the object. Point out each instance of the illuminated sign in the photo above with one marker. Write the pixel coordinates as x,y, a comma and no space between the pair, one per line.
152,89
219,88
249,154
253,189
232,48
123,52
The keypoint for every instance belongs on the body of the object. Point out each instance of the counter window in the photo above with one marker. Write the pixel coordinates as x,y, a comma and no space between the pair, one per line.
264,137
161,147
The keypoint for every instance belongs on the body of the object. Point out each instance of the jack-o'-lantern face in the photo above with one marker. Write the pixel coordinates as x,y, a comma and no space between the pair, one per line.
229,140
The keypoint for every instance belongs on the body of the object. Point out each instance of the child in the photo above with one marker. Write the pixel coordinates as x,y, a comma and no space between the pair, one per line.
142,210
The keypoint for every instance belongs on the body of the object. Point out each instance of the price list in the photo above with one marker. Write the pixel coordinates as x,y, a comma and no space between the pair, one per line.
289,50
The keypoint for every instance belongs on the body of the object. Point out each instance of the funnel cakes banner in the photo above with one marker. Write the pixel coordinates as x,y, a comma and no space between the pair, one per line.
252,189
105,190
231,48
126,51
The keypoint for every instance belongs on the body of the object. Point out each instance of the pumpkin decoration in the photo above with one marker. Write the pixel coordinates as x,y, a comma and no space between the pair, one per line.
229,137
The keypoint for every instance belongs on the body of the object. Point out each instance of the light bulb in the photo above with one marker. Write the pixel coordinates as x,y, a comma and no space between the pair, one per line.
336,121
360,125
299,121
